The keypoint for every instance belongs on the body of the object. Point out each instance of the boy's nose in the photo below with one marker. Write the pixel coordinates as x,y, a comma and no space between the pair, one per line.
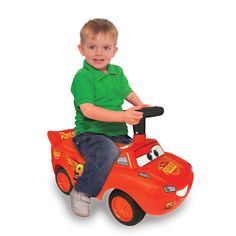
99,51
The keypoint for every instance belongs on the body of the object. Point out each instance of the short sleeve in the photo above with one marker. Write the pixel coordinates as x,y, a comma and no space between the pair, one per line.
83,89
126,89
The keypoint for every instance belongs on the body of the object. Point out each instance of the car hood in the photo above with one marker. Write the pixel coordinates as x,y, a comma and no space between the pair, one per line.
170,170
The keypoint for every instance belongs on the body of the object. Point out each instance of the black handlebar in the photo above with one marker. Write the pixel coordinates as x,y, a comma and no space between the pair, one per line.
147,112
152,111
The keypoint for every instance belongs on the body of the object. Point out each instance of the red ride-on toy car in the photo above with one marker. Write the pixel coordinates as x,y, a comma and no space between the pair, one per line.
144,179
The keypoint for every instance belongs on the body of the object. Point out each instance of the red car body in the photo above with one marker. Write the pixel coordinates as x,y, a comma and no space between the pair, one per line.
145,178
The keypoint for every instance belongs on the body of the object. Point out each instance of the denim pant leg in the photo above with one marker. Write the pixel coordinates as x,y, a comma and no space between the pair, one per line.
100,153
125,139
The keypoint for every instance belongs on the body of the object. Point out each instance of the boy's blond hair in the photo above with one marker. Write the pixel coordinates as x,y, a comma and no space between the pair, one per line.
96,26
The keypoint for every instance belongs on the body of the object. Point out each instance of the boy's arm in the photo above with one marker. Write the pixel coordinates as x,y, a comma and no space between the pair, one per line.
130,116
135,100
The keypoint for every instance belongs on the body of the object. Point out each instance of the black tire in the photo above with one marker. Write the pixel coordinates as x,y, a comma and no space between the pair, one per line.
63,180
137,213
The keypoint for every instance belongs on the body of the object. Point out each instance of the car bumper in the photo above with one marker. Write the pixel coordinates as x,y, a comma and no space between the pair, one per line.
159,204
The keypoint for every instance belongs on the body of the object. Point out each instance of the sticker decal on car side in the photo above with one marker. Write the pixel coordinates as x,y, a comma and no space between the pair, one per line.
77,167
56,154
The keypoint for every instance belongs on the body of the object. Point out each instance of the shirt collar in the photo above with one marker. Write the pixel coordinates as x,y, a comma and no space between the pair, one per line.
98,73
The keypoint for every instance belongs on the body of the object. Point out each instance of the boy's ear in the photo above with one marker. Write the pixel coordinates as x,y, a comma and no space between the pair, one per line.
115,51
81,49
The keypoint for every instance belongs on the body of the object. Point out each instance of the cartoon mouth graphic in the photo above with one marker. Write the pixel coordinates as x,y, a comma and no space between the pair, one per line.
182,192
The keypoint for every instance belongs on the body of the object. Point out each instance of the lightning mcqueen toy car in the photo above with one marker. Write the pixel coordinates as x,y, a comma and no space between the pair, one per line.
144,179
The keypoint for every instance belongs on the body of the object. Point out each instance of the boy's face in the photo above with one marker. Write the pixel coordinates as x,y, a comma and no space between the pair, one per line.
98,51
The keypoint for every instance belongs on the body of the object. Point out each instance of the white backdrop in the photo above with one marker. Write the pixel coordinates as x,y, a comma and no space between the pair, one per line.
176,54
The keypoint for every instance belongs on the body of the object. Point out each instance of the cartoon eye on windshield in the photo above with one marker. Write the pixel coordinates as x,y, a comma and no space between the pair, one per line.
156,152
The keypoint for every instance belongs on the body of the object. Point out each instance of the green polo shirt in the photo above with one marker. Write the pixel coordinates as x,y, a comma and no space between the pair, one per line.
104,90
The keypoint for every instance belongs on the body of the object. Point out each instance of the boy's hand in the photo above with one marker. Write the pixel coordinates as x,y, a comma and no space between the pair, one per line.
131,116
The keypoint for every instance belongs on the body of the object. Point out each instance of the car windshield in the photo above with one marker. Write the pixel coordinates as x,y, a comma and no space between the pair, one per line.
156,151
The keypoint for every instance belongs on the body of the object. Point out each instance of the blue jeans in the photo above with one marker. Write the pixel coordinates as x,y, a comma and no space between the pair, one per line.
99,152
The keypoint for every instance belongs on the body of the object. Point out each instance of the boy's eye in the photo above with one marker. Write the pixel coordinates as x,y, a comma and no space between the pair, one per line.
106,48
91,47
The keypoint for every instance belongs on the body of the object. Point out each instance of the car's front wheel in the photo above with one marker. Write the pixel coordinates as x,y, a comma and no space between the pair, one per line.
124,208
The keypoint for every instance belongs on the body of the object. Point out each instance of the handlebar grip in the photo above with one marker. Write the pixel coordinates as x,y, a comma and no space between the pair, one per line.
152,111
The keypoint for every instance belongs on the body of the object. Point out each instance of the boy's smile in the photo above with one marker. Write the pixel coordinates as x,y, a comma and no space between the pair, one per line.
98,51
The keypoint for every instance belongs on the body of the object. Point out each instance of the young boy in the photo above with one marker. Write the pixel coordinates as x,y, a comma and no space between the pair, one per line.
99,90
